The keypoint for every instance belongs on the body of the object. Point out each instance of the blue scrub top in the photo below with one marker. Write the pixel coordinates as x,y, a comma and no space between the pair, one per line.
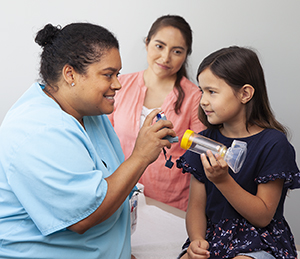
52,175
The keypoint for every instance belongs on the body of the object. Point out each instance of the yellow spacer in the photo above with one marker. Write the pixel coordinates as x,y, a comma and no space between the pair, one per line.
186,142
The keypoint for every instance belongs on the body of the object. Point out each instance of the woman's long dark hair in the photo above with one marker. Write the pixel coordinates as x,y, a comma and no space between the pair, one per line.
238,66
179,23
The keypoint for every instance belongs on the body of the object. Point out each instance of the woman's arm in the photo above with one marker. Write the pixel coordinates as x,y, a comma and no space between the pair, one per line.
148,146
258,209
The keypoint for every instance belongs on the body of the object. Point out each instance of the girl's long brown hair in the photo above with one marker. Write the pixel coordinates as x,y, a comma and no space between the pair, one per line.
238,66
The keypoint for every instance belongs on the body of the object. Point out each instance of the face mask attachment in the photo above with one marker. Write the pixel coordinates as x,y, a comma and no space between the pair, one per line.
234,156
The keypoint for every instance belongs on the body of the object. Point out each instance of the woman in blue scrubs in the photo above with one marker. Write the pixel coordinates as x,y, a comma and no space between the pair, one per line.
64,184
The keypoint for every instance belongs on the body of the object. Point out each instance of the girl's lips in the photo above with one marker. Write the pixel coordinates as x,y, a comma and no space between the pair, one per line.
208,112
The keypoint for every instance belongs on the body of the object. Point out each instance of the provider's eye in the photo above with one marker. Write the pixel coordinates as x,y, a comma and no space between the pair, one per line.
108,75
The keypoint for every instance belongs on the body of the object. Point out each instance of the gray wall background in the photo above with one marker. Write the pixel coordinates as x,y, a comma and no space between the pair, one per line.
270,26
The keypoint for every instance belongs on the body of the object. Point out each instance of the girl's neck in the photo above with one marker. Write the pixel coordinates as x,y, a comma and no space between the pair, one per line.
240,131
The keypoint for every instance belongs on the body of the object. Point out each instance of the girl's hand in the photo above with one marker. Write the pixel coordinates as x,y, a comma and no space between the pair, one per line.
215,167
198,249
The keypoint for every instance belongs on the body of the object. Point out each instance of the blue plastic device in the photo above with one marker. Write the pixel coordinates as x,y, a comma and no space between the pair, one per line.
162,116
169,163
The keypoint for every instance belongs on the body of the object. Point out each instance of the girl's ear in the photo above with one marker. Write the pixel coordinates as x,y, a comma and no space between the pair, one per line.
68,73
247,92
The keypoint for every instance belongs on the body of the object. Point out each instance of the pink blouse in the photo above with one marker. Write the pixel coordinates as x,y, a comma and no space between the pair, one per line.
161,183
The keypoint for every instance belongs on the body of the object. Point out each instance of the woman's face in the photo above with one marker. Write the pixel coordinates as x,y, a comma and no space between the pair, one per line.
94,92
167,52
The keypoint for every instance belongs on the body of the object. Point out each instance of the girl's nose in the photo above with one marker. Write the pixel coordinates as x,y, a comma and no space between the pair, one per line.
203,101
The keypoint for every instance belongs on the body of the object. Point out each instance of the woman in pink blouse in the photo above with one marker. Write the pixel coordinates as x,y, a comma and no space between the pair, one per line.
162,85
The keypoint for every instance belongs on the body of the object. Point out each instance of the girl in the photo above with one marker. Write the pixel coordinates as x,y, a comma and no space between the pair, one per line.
163,84
239,215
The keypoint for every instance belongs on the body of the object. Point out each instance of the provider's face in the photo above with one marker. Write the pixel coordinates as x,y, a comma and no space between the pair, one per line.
96,89
167,52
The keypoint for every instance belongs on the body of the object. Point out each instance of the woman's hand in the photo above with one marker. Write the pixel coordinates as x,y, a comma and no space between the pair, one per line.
215,167
148,146
150,142
198,249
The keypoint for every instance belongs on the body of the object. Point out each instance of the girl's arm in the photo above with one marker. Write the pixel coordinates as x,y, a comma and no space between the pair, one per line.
258,209
196,219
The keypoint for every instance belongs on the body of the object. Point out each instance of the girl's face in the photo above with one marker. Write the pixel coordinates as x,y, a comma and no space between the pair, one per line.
219,101
94,92
167,52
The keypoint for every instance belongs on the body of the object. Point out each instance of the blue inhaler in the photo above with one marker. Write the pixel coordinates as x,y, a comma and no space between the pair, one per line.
169,163
162,116
234,156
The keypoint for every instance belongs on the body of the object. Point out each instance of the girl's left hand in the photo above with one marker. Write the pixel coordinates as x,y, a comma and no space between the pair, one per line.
215,167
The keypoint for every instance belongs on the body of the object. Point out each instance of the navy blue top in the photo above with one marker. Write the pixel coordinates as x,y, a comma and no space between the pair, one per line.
269,157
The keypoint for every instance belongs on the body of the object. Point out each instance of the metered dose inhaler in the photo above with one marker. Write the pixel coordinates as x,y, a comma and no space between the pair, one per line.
234,156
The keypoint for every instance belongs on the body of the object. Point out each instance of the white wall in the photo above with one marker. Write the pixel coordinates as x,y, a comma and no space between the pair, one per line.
270,26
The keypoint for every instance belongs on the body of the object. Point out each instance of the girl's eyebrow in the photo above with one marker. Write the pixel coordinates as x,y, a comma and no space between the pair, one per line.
207,88
174,47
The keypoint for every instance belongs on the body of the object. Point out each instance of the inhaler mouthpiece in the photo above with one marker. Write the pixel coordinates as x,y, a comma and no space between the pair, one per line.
234,156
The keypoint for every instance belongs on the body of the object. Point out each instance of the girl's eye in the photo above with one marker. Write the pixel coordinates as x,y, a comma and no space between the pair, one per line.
211,91
158,46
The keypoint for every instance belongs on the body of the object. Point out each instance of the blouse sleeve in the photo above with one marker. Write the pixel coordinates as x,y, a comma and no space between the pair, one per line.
278,162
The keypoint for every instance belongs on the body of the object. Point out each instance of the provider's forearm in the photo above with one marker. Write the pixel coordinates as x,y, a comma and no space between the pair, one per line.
120,184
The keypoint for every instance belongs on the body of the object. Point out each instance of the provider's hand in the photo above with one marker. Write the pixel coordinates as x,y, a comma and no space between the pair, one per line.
150,142
198,249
